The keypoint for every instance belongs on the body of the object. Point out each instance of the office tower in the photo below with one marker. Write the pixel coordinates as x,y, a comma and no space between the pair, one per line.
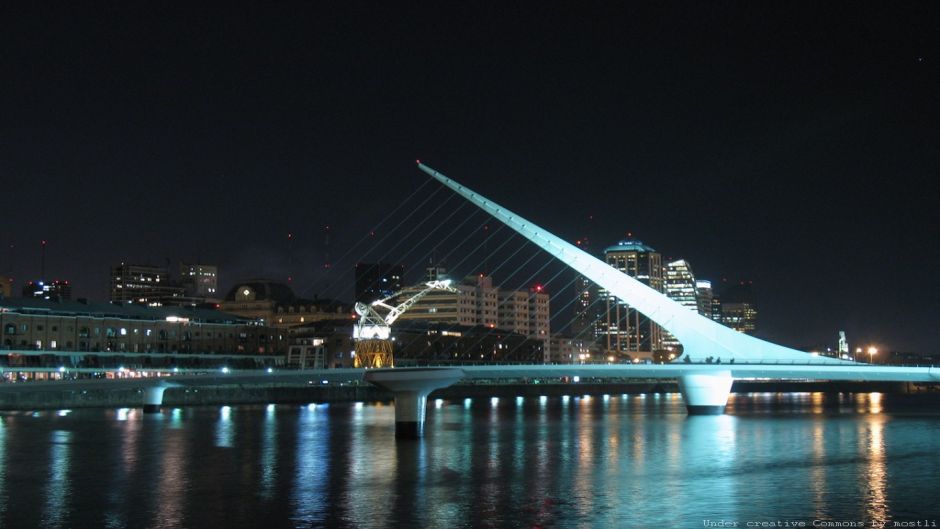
738,309
53,290
679,284
144,285
623,330
703,297
377,280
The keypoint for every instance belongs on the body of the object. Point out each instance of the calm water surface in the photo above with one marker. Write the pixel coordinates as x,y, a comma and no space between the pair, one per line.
617,461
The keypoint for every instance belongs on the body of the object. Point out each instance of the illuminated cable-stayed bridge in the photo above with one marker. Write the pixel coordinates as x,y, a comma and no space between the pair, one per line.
705,386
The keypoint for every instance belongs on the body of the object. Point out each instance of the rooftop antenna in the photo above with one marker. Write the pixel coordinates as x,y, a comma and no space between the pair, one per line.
290,257
42,262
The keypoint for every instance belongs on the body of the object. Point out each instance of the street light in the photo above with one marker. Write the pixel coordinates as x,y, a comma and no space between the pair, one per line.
872,351
858,351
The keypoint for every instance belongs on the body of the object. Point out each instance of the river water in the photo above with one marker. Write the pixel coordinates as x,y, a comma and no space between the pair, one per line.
774,460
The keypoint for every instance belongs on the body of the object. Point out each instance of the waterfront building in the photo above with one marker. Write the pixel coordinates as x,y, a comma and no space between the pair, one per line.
54,290
378,280
275,304
329,343
428,343
624,331
144,285
679,284
567,349
32,324
322,344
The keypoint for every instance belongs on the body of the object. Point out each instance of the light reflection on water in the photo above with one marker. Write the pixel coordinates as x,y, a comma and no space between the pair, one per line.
57,485
549,462
3,466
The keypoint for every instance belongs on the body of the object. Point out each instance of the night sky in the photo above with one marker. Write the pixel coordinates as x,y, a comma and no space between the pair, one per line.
794,145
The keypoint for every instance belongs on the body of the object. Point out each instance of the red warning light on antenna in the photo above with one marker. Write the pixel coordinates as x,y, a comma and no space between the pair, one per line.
417,161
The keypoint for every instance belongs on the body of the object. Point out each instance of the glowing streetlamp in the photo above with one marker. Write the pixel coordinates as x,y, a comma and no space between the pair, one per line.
858,351
872,351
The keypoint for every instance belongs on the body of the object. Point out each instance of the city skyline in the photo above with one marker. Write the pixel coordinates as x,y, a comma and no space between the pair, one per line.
798,161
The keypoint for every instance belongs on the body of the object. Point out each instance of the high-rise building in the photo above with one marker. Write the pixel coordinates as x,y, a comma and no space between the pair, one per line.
703,297
53,290
144,285
587,311
679,282
200,281
738,309
377,281
539,315
624,331
716,308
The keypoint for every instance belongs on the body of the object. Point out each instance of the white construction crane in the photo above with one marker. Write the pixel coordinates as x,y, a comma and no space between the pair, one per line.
373,331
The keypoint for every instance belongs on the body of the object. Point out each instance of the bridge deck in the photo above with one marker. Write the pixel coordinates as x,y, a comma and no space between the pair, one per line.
861,372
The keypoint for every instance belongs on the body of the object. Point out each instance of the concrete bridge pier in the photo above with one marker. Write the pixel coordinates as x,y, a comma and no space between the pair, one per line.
153,398
411,388
706,394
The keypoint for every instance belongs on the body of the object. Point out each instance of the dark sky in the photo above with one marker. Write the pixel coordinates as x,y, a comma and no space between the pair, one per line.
791,144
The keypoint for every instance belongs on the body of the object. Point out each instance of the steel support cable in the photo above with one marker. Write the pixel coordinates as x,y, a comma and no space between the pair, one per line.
511,237
493,330
434,248
393,230
414,247
467,256
559,272
590,306
448,254
504,243
415,228
564,307
384,220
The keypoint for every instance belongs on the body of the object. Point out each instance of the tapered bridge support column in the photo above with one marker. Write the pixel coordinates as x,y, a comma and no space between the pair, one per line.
153,398
411,388
706,394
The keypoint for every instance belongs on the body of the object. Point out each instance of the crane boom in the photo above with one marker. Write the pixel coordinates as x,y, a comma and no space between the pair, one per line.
373,326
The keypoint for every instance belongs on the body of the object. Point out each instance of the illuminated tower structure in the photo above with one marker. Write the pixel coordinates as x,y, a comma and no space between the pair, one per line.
679,282
703,297
738,309
586,311
623,330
